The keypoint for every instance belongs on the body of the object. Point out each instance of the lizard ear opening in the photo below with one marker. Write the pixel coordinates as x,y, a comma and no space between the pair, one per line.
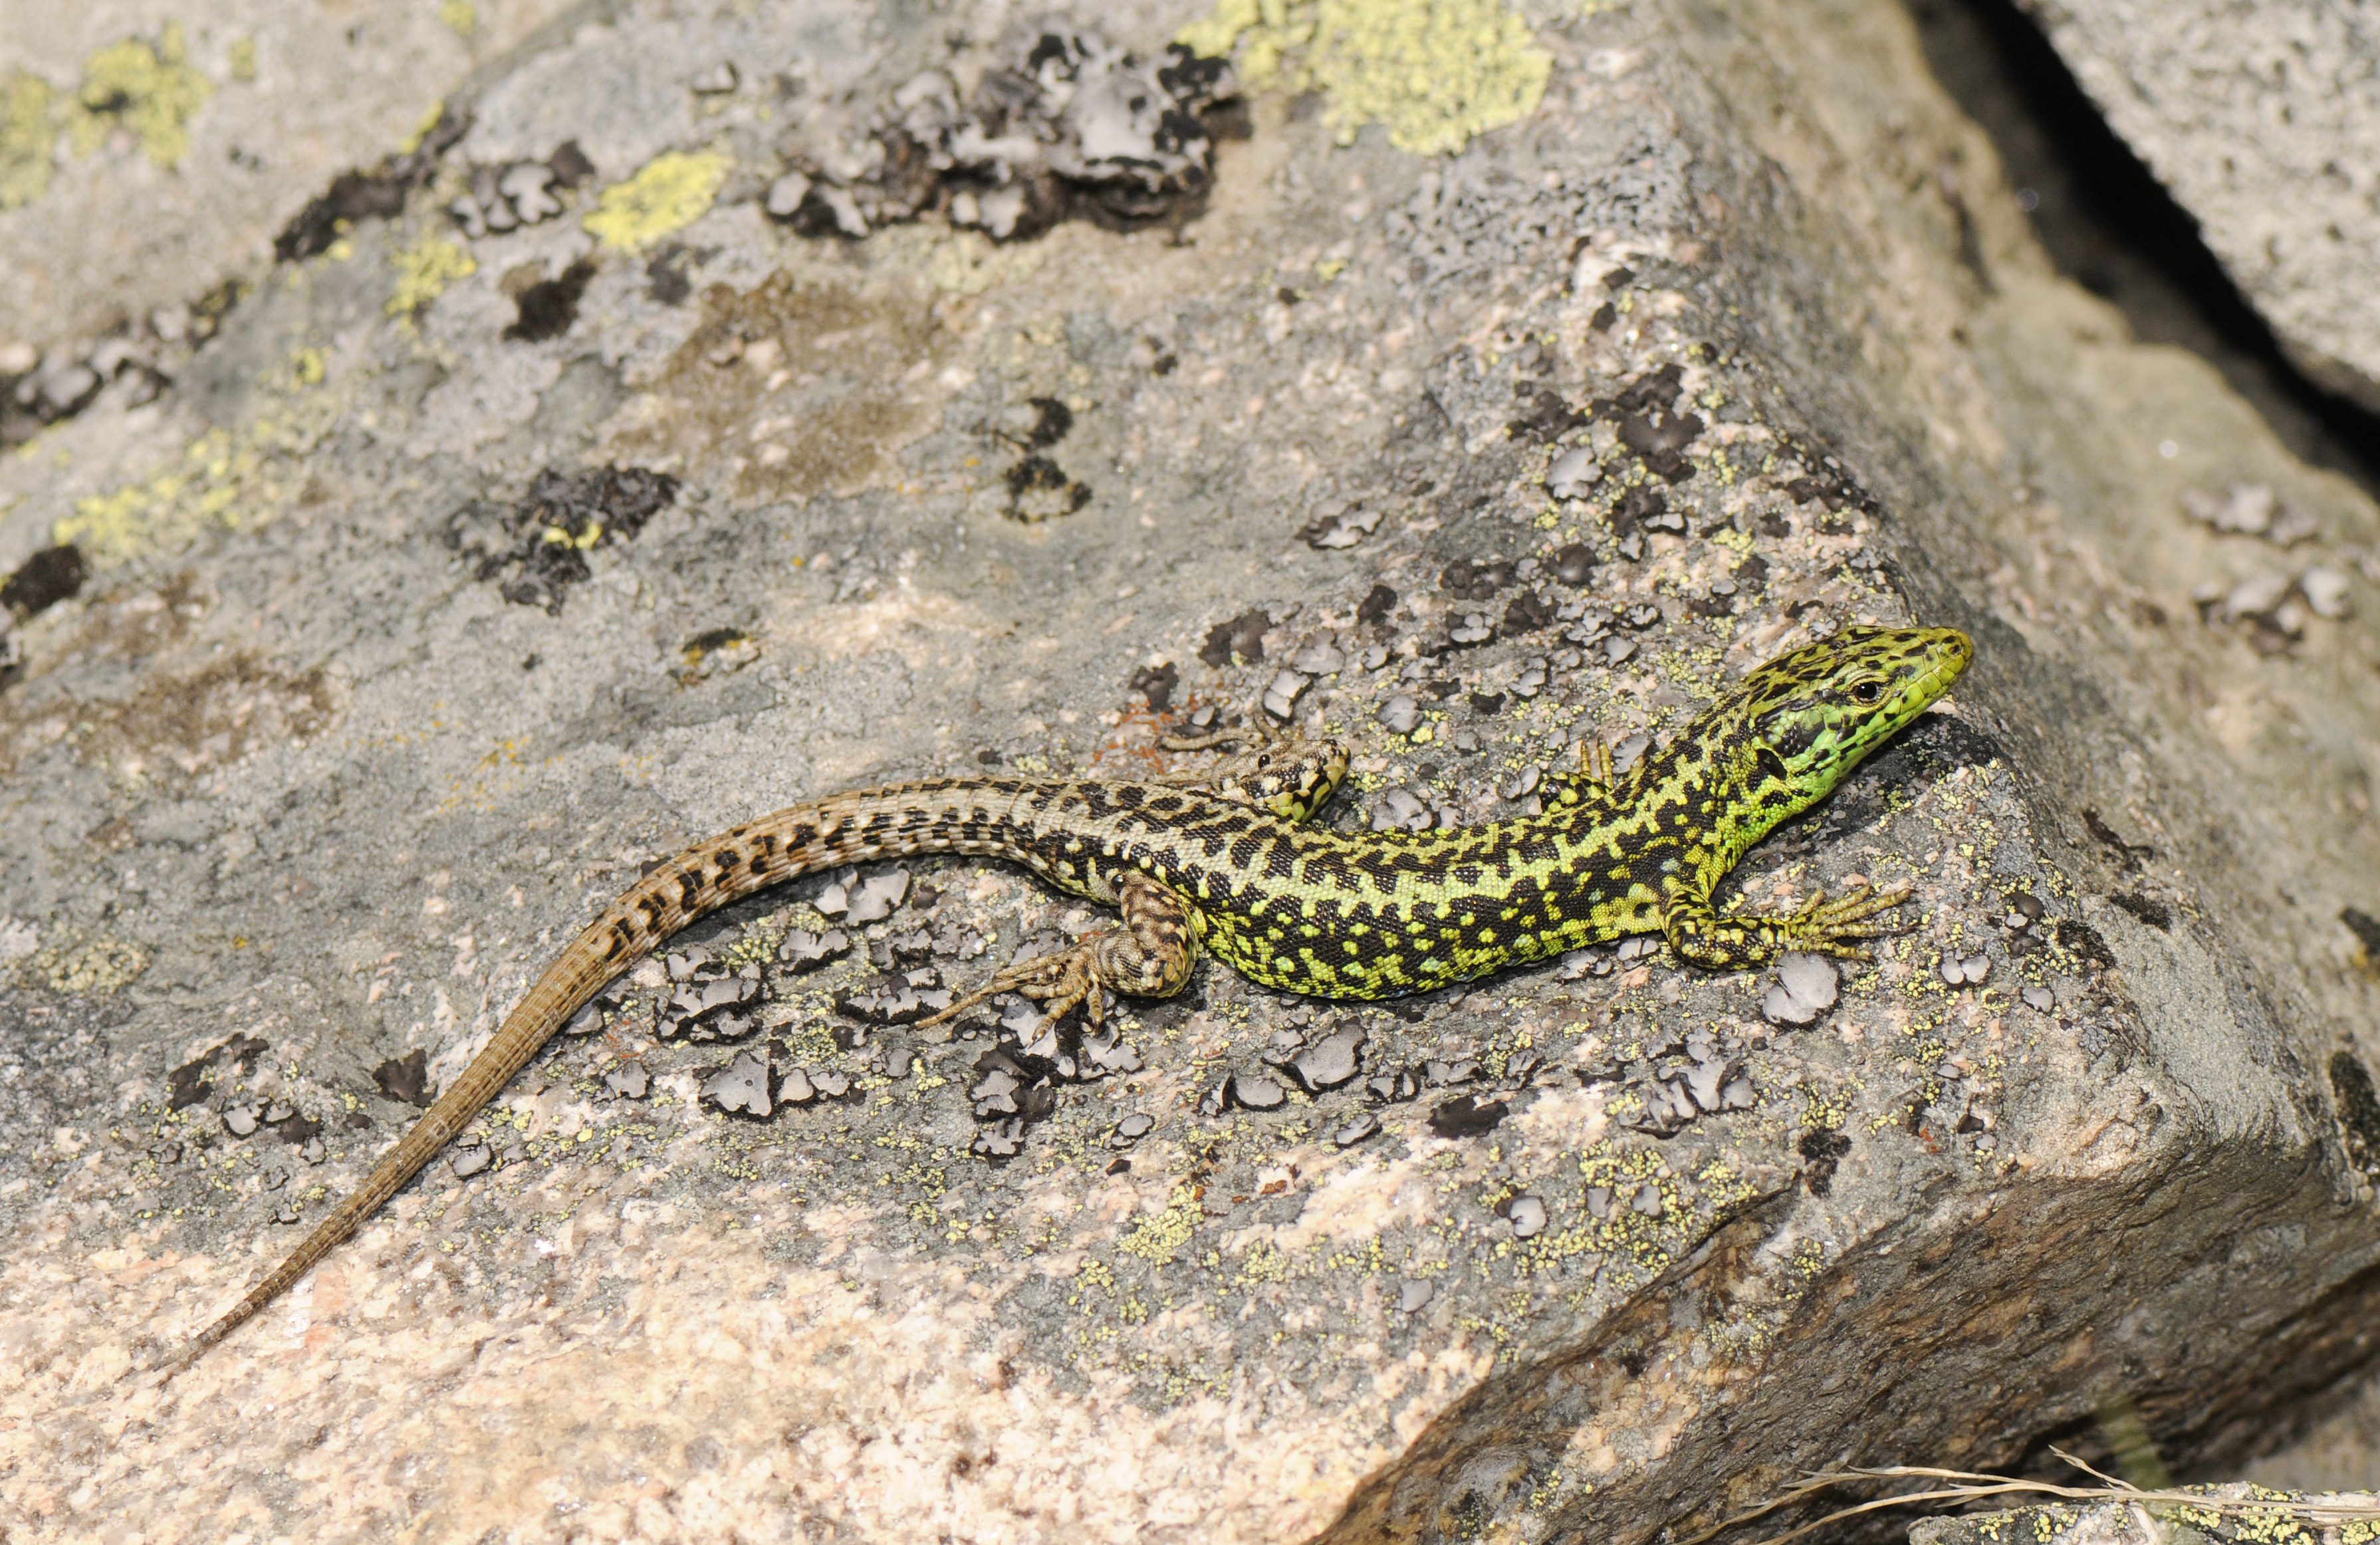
1772,766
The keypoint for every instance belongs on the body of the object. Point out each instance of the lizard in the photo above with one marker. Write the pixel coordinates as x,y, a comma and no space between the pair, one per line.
1239,872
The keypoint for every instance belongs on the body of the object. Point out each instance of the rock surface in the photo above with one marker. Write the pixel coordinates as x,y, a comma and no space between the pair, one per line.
457,576
2265,122
2252,1513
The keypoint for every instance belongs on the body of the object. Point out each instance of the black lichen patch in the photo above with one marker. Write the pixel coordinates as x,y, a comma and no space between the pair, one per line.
2082,940
1547,418
2359,1110
379,194
665,275
191,1082
2366,929
1069,127
2147,908
1464,1116
1646,412
406,1079
1242,636
539,549
1038,489
1157,684
1823,1150
1642,507
50,576
550,306
1052,420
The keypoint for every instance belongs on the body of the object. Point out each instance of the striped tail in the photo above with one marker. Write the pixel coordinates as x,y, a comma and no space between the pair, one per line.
800,839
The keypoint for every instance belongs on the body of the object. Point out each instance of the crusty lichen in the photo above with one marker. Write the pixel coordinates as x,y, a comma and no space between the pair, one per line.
26,137
149,90
89,967
423,271
669,192
1434,72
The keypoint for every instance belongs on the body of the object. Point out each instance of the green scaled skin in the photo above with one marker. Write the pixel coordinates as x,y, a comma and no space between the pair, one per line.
1235,868
1382,914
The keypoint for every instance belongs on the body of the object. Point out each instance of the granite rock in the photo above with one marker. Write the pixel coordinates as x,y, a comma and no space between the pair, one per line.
305,782
2263,122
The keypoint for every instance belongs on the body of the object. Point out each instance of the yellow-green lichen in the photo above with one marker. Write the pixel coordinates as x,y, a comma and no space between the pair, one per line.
149,90
243,59
412,141
1158,1236
461,16
670,191
424,271
26,136
255,465
90,965
1434,72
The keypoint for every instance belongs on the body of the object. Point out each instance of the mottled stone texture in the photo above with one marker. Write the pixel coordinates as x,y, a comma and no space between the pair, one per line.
2263,120
380,684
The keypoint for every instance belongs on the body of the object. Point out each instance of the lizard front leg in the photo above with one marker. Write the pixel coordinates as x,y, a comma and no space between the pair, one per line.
1705,938
1149,956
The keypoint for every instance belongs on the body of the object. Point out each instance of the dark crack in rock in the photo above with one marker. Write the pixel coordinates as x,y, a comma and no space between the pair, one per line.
380,194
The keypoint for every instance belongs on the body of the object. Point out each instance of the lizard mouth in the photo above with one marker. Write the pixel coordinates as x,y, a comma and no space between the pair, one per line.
1953,652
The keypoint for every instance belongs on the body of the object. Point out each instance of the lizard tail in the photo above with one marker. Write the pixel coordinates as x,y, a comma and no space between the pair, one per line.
849,828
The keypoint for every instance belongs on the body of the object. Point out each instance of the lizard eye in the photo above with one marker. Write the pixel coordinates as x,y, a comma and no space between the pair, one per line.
1867,691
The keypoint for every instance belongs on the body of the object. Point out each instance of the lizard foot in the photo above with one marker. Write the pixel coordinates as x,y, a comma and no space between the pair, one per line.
1056,981
1821,927
1148,957
1836,927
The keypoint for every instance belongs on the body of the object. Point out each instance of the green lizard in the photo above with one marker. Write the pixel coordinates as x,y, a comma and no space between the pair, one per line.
1237,871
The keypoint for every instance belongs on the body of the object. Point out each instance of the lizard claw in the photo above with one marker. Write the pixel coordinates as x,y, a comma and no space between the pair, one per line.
1824,927
1056,981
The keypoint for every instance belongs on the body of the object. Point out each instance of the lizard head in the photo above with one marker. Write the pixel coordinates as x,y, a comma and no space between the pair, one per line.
1290,779
1813,715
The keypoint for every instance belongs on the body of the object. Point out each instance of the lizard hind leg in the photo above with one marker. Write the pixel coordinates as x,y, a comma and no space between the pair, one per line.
1149,956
